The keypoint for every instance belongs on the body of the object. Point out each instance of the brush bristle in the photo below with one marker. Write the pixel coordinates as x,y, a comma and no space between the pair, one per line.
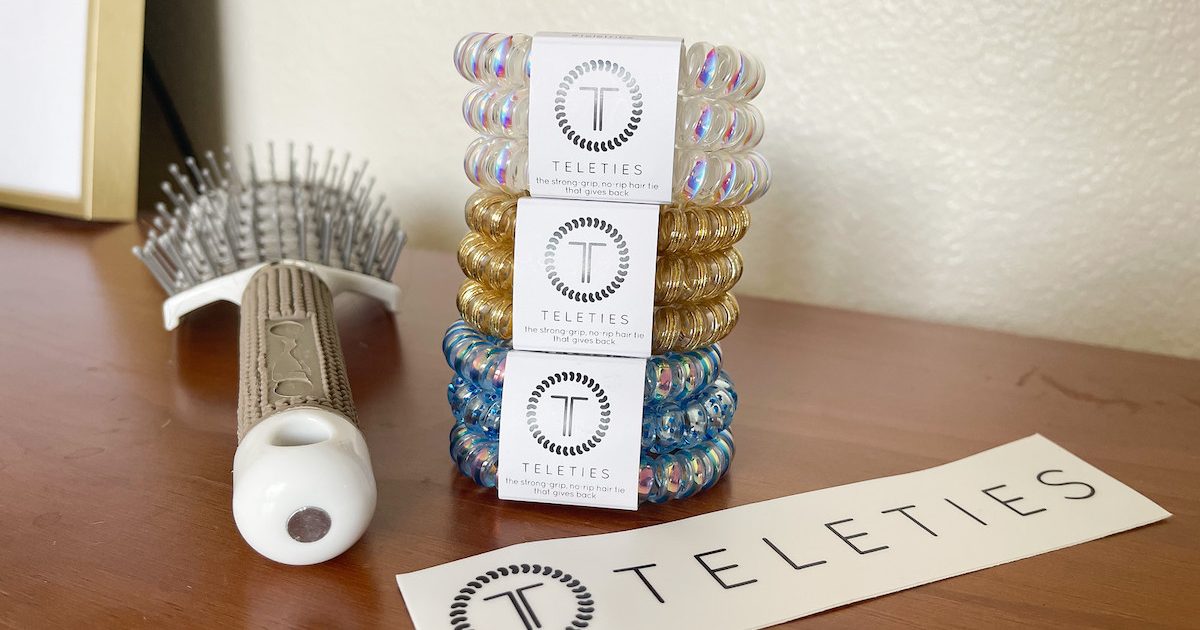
221,220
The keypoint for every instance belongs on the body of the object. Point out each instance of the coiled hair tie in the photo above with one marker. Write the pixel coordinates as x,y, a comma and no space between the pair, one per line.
666,426
480,360
712,178
675,475
682,227
706,69
677,327
678,278
701,123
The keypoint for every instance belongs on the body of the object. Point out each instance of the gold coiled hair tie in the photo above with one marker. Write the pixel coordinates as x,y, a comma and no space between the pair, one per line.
680,277
677,328
681,227
487,261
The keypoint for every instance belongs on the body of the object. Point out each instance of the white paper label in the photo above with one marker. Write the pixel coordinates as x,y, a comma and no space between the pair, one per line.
583,278
570,429
765,563
602,116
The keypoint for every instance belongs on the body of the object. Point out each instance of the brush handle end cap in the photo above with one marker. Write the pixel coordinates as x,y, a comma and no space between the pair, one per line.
303,489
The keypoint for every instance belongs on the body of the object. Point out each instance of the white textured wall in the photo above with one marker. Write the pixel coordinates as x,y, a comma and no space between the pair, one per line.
1024,166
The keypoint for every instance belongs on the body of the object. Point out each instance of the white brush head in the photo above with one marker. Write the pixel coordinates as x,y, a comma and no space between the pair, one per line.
223,222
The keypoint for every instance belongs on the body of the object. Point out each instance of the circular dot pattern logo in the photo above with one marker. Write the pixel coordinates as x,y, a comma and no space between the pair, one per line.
529,595
580,105
589,239
568,389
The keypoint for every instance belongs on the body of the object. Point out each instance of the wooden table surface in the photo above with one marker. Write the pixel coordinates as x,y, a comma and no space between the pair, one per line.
116,442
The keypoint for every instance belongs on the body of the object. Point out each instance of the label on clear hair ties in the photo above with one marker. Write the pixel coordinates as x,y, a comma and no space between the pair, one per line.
583,276
570,429
602,114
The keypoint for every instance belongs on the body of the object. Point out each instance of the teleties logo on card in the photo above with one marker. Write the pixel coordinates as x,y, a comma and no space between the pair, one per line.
522,596
568,413
586,259
598,105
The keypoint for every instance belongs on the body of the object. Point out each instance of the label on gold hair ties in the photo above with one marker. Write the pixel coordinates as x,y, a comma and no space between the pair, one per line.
583,277
602,116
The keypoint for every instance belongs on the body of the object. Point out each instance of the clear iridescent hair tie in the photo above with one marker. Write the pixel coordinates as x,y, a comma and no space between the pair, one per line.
713,178
721,72
716,125
702,123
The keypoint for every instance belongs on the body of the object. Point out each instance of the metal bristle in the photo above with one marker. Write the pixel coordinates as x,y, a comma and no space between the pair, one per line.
219,222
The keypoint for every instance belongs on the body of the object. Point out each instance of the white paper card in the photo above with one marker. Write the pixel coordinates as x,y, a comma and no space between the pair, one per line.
765,563
583,278
43,72
570,429
602,116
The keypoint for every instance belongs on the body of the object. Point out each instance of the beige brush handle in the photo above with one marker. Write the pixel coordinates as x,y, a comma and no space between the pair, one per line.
303,487
290,353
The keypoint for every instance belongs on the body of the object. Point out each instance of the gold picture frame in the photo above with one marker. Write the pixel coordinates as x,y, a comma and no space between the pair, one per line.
112,112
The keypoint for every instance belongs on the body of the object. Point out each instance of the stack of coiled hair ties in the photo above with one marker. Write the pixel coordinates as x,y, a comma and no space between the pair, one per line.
689,399
716,131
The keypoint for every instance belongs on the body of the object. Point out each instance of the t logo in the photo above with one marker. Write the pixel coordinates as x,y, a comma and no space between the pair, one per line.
599,78
564,602
570,387
598,104
521,605
568,418
585,261
588,233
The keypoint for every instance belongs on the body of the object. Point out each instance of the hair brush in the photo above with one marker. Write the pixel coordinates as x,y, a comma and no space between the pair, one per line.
281,247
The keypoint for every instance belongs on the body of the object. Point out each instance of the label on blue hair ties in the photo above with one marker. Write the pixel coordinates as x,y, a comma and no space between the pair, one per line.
583,276
570,429
764,563
602,116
